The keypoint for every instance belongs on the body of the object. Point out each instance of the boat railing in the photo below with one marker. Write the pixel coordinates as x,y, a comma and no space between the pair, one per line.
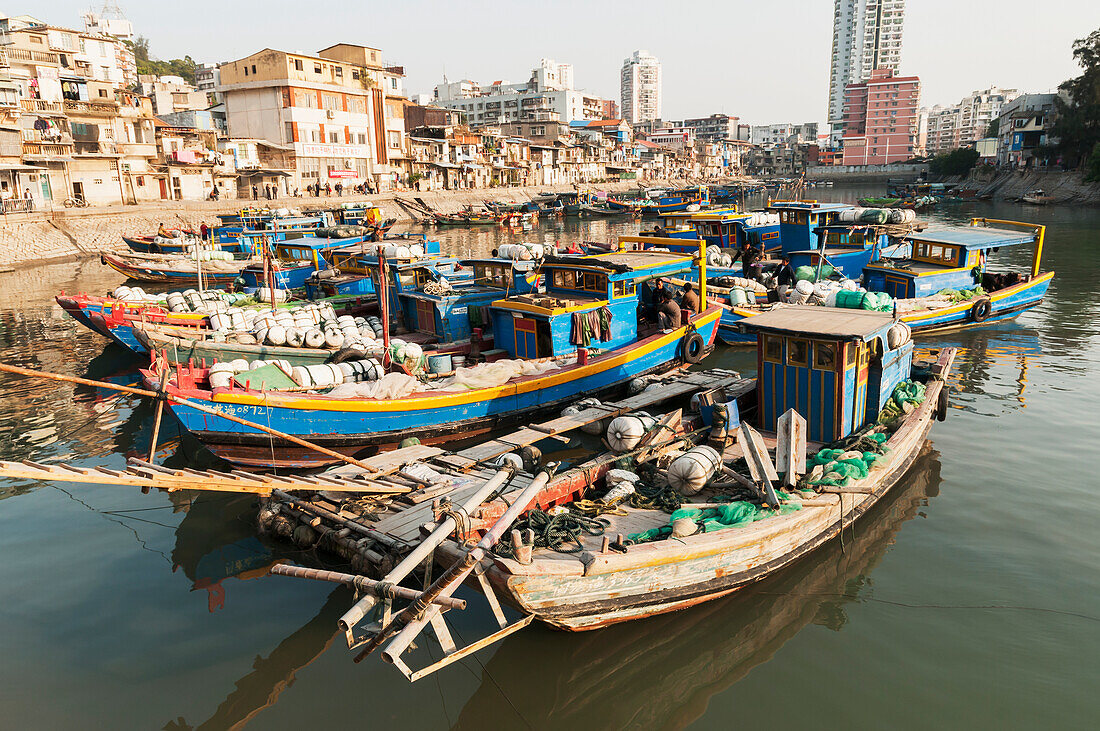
1038,229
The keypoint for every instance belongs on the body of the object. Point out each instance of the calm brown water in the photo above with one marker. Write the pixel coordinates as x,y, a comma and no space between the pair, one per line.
970,599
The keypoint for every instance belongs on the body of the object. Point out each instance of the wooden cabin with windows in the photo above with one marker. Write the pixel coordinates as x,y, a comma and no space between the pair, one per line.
949,257
799,221
590,302
833,366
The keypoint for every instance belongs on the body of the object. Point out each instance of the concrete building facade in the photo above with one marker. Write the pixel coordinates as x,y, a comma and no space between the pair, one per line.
327,111
640,88
881,117
770,135
866,36
965,123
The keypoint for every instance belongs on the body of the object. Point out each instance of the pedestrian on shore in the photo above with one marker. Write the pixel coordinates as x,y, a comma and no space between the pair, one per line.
328,189
339,190
204,232
297,193
255,193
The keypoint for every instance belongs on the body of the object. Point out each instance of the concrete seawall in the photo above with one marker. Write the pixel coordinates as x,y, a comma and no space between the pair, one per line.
76,233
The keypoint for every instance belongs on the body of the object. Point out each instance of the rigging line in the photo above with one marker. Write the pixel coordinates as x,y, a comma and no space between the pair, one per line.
489,675
113,519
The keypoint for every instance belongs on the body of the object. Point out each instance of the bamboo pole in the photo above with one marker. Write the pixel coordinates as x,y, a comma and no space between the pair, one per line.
160,408
4,367
362,583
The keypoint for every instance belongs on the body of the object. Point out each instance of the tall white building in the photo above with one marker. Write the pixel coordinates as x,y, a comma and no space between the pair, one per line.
866,36
640,87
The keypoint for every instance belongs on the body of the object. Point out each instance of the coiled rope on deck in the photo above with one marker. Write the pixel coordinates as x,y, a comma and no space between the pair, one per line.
554,532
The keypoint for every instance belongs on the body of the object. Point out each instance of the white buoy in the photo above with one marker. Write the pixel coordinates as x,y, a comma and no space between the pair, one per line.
690,472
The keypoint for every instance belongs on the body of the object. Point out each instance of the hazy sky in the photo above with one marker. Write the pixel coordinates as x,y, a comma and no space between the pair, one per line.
765,61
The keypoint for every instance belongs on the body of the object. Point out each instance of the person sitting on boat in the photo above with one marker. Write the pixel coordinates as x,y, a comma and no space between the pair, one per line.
168,233
668,312
690,299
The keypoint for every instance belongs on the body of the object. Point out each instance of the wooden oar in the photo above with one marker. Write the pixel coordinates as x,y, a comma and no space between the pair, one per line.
186,402
160,408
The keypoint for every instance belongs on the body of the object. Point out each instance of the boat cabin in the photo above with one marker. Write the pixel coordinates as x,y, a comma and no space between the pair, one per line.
849,247
589,302
953,257
835,367
798,221
452,313
297,260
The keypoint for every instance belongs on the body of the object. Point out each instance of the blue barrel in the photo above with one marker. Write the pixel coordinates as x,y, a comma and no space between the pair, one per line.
440,363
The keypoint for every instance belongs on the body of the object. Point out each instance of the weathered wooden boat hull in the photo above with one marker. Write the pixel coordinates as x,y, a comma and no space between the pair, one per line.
650,579
146,245
353,426
148,273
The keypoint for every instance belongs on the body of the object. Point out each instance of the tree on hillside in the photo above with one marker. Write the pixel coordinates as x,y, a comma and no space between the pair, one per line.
993,129
182,67
956,162
1078,123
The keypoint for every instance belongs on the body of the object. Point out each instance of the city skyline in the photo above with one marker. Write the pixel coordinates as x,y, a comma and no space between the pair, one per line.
941,45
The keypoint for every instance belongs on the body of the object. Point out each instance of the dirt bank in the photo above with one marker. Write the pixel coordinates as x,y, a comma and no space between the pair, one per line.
1064,186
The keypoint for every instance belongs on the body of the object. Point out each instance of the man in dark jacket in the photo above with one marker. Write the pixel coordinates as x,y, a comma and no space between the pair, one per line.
749,256
690,299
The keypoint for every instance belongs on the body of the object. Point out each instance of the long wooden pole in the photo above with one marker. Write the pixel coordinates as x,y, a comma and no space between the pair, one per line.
160,408
186,402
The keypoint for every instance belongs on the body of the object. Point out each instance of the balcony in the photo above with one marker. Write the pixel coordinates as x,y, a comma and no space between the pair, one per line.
96,108
48,149
23,54
42,106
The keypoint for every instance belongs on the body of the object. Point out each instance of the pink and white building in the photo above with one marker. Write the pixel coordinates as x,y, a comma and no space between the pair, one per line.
881,117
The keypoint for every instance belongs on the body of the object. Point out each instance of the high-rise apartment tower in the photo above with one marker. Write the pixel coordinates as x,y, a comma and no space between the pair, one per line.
866,36
641,88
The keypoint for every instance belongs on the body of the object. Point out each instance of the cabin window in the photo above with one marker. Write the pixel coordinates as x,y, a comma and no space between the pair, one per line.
624,289
568,280
936,253
798,352
773,349
592,282
824,356
407,279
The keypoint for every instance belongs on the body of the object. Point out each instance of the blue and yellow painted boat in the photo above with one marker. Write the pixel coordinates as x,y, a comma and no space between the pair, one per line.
587,322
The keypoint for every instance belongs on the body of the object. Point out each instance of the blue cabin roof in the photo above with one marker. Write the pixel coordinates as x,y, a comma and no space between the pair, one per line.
974,237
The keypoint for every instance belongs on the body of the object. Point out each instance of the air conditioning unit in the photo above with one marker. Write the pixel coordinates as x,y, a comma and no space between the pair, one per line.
330,114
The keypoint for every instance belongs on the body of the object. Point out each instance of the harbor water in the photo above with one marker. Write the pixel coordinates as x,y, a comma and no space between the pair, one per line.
970,598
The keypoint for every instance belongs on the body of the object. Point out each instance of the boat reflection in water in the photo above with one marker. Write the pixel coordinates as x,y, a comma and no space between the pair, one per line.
662,672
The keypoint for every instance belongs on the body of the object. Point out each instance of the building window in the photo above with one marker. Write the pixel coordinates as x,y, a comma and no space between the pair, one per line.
331,102
289,131
253,69
355,74
316,68
339,72
333,137
297,64
362,136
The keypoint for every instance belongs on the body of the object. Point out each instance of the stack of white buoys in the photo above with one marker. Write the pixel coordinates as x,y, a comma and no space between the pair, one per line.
902,215
524,251
738,296
210,255
625,432
850,215
690,472
800,293
264,294
221,374
356,371
595,427
133,294
395,251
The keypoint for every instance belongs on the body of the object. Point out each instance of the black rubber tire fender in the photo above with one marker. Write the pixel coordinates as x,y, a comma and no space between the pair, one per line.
345,354
694,348
981,309
942,404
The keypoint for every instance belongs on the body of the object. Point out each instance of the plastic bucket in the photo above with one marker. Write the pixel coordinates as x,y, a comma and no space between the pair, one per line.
458,361
440,363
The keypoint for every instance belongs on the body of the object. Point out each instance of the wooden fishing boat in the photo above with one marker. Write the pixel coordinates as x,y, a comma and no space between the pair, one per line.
1037,197
174,269
588,209
539,330
939,278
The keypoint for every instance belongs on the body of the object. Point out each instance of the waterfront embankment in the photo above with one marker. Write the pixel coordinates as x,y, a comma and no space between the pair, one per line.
1064,186
60,234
